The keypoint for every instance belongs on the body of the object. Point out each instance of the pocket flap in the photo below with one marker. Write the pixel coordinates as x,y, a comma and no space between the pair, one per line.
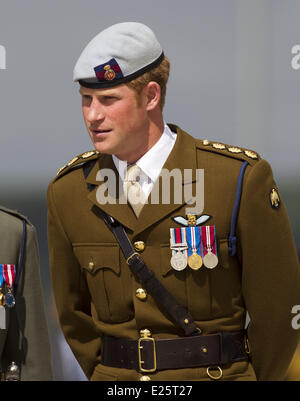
95,256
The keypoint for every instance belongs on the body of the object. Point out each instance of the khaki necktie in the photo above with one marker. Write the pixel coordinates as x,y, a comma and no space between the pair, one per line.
133,190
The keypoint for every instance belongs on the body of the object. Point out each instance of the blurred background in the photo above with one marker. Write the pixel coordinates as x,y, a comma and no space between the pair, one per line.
231,81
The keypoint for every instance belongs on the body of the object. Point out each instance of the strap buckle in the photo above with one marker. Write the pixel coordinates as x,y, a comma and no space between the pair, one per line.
146,337
247,346
130,257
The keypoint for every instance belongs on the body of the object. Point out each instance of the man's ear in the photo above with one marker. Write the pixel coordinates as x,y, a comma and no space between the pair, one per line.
153,94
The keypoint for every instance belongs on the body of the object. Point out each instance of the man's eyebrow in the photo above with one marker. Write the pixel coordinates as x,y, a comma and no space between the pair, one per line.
81,91
109,93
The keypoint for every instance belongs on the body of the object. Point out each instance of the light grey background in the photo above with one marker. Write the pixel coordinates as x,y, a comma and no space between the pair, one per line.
231,81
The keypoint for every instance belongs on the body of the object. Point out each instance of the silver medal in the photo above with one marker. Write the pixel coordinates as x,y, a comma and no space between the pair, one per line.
210,260
178,261
12,373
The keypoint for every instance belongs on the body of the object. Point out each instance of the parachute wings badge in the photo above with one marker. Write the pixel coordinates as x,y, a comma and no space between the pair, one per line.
191,220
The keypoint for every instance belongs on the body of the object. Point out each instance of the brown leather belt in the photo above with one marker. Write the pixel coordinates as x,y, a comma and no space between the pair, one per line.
149,354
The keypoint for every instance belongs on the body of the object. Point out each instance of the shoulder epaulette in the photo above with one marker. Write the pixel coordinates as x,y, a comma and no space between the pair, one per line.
15,213
77,160
228,150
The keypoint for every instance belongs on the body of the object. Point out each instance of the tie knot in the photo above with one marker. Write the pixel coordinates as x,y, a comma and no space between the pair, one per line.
132,173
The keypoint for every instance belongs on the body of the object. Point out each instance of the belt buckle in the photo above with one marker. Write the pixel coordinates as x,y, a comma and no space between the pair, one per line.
146,337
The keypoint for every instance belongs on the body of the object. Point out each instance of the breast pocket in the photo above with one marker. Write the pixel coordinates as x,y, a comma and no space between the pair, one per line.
225,283
207,293
101,265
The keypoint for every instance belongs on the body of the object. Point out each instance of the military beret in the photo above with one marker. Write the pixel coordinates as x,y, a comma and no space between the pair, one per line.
118,54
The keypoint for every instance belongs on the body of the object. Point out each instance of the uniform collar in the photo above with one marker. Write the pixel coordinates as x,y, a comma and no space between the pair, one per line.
152,161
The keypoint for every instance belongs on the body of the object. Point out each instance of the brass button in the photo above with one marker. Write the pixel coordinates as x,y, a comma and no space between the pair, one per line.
139,246
141,294
144,379
145,333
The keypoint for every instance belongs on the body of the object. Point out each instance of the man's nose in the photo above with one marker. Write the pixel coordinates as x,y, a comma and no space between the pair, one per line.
95,111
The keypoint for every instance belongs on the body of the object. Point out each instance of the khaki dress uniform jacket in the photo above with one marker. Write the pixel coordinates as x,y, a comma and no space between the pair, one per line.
26,339
99,298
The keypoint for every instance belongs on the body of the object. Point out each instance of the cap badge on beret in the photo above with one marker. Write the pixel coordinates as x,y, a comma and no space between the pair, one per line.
108,71
109,74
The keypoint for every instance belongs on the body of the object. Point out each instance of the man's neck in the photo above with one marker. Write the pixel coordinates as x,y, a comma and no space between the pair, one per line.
155,131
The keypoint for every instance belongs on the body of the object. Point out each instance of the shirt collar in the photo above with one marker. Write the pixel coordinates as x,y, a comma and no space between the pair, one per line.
152,161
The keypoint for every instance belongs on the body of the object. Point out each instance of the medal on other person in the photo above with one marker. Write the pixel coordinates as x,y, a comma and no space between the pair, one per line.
179,248
210,258
9,274
2,297
194,239
13,372
2,303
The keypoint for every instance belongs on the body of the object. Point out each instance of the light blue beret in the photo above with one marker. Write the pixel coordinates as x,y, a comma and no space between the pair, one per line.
118,54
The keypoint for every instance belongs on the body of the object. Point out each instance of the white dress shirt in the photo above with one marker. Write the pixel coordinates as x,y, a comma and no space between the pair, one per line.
151,162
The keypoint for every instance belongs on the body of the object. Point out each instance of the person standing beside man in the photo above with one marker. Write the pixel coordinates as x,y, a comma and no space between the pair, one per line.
25,352
154,289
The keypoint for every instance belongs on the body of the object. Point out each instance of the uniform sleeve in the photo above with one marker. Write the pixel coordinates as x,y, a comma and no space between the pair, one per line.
270,275
71,294
28,338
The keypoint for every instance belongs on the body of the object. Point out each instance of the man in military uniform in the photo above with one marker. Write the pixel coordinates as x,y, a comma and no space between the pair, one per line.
211,266
24,340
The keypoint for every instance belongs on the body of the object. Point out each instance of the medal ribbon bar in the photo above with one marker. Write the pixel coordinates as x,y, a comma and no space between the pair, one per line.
1,277
2,303
193,239
178,241
210,258
209,239
9,274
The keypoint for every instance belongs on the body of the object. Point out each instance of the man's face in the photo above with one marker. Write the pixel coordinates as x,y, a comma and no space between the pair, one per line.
115,122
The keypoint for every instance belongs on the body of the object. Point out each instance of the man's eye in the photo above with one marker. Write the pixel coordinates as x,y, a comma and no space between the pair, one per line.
108,100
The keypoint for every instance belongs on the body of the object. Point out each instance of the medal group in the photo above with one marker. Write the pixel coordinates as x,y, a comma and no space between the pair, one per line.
193,246
7,299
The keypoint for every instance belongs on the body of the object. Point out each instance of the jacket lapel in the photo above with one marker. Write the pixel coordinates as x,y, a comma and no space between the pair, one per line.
105,177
